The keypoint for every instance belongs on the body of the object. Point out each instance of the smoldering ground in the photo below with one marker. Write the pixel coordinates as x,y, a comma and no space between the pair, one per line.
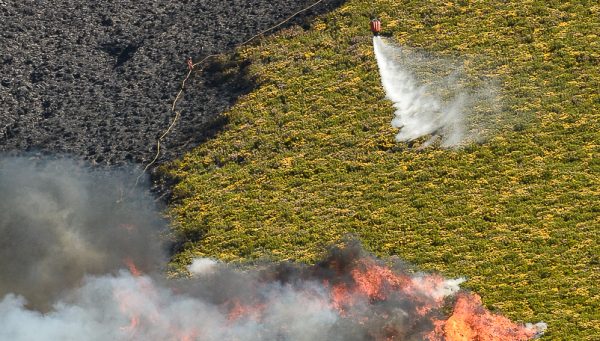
434,97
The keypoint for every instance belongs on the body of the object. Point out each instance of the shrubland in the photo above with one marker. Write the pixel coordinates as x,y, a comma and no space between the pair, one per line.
309,156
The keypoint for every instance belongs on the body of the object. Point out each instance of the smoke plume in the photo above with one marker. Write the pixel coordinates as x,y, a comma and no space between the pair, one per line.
59,222
79,262
433,97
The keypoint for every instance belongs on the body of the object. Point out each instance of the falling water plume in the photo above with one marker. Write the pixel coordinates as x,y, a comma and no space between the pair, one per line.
433,97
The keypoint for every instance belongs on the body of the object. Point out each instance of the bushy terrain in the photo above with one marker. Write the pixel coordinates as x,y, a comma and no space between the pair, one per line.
309,157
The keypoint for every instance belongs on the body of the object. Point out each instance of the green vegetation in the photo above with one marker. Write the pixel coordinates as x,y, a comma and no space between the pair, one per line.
309,156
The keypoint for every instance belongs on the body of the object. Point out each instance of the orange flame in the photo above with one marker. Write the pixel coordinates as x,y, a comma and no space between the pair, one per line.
361,291
341,297
133,324
471,321
376,281
132,268
239,310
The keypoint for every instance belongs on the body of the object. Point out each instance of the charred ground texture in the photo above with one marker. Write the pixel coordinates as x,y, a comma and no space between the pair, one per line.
96,79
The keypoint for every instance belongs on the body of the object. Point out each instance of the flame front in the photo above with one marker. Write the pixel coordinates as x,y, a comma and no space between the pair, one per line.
471,321
348,292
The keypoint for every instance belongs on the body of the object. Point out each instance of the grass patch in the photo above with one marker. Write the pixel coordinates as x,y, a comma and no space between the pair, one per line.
309,157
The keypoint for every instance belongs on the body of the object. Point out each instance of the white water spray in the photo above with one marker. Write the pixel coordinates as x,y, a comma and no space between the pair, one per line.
430,97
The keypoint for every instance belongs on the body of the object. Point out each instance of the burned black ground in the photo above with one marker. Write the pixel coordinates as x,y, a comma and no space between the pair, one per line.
95,80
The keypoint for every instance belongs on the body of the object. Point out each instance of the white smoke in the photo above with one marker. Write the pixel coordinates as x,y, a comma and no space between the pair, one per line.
431,97
60,221
66,236
440,290
125,307
540,328
201,266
